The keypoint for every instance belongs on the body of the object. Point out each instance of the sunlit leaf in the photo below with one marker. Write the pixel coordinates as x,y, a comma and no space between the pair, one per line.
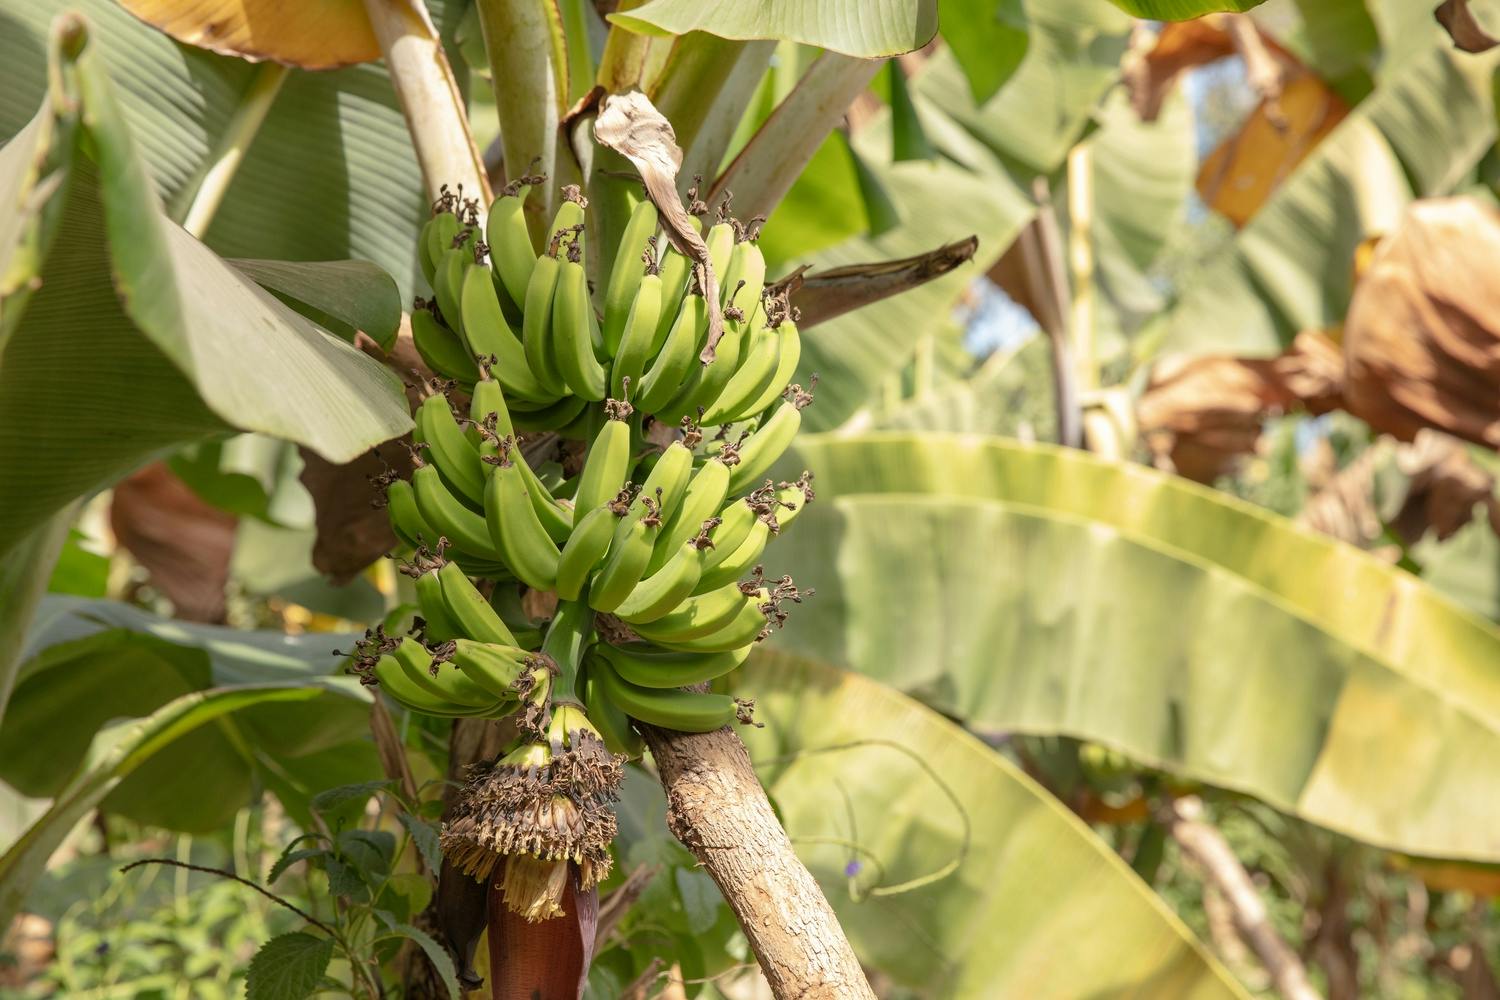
865,28
1182,10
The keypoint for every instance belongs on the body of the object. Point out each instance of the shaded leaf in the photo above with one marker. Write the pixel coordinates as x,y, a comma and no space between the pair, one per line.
21,590
79,572
908,142
951,870
436,954
1187,629
290,857
288,967
321,35
341,296
113,753
347,800
425,836
864,28
183,543
988,39
1182,10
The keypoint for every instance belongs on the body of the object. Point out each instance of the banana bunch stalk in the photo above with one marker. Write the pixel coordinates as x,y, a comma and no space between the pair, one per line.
649,537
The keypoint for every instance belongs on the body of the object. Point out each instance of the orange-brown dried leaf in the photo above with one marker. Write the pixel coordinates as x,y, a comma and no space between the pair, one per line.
1203,413
311,34
1422,338
182,542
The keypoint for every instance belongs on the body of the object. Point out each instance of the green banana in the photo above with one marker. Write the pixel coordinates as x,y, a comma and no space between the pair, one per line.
449,284
696,616
685,711
748,625
634,349
466,608
705,382
406,520
439,624
440,348
607,462
769,441
583,551
427,673
570,213
752,376
536,320
611,721
488,335
456,460
629,551
788,354
746,264
720,241
704,496
728,567
649,667
516,531
675,269
556,417
669,586
435,237
667,481
573,327
446,513
493,667
557,519
511,253
625,276
663,380
735,522
394,682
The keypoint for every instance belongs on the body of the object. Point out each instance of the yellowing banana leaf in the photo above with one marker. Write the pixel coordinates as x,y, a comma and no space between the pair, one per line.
80,648
1420,132
950,869
124,335
864,28
319,35
112,756
1036,589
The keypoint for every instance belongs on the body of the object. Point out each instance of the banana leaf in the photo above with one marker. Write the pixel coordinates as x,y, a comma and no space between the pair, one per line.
950,869
863,28
1036,589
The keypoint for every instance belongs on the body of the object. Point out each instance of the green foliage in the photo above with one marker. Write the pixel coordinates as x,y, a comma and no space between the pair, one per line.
864,28
1182,10
288,967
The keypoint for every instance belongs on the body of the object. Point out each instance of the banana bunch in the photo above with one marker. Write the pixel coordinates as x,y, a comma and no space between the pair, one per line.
652,550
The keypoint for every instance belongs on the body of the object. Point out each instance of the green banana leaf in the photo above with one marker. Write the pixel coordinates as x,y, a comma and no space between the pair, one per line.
112,756
1037,589
950,869
341,296
1420,133
21,590
863,28
80,648
989,39
124,335
1182,10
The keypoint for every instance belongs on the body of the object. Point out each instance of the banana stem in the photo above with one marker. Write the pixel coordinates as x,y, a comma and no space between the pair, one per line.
430,98
233,145
718,809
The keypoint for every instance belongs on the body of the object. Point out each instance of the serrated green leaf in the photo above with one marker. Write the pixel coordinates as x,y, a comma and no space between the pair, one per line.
288,967
290,857
369,850
864,28
347,800
436,953
346,880
425,836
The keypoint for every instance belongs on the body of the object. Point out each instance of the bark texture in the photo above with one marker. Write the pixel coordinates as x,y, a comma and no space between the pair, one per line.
718,809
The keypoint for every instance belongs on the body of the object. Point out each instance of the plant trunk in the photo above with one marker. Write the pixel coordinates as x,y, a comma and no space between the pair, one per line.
718,809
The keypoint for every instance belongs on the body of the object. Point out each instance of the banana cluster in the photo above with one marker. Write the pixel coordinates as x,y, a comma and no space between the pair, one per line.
653,544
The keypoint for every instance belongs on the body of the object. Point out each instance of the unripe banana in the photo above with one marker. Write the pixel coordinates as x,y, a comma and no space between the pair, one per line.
652,667
449,450
511,253
629,551
584,551
788,353
436,237
536,321
727,567
625,275
441,349
635,347
493,667
611,721
607,463
696,616
406,519
438,624
675,269
430,675
574,329
735,522
570,213
488,335
746,264
663,380
516,532
748,625
720,241
705,382
394,682
448,286
559,416
446,513
752,377
669,586
667,482
684,711
704,496
466,607
769,441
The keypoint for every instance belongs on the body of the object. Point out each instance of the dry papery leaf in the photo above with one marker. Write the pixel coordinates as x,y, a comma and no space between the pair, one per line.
310,34
183,542
1422,337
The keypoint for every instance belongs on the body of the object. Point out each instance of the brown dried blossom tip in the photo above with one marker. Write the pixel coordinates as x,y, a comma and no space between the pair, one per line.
575,252
744,713
650,259
754,226
696,205
618,409
652,517
539,814
729,451
529,179
429,306
446,201
724,214
481,252
702,539
620,505
460,238
799,397
692,436
574,193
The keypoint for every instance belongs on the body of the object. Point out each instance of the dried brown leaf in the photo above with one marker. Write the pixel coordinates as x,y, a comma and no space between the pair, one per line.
1463,27
183,542
322,35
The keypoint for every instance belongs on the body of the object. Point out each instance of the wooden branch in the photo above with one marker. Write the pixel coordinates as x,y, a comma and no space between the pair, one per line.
429,97
1206,845
825,295
718,809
